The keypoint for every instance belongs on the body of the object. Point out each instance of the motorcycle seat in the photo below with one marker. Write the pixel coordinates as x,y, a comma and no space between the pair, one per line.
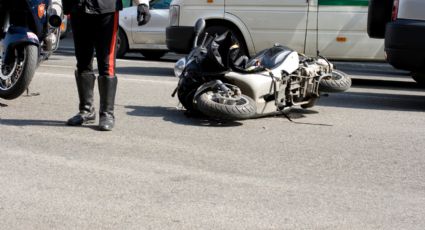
270,58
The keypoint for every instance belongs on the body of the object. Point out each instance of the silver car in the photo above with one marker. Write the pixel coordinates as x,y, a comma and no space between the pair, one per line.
149,39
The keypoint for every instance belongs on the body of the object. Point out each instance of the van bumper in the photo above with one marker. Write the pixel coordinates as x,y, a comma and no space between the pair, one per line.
404,44
179,39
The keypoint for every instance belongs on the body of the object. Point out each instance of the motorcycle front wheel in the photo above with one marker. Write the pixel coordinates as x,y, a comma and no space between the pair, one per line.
214,105
16,77
336,83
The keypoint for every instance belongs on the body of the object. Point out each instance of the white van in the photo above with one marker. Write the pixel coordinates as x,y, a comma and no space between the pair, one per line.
260,24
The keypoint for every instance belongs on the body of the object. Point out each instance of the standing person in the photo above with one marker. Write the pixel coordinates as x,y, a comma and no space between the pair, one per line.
95,24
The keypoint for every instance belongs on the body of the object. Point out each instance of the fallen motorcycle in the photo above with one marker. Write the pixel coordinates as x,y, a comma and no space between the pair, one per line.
29,34
216,81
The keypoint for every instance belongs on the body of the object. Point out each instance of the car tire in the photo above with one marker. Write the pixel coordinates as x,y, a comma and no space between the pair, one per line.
122,43
419,78
218,30
379,14
153,54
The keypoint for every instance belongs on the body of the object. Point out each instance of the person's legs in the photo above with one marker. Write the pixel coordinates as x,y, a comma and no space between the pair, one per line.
105,44
84,76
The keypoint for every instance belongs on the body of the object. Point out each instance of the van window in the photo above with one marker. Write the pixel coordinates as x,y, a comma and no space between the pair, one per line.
126,3
160,4
343,2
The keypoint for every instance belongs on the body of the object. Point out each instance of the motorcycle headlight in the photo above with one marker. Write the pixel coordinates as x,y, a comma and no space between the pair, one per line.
179,67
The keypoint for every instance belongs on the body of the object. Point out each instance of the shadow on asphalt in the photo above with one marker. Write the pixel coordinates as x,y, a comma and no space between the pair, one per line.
63,53
16,122
369,83
47,123
141,58
153,71
177,116
376,101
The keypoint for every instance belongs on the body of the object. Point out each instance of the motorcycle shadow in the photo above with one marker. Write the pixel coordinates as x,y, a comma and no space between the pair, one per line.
178,116
295,116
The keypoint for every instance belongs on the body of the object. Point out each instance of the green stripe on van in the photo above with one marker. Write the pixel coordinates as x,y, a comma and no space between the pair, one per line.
343,2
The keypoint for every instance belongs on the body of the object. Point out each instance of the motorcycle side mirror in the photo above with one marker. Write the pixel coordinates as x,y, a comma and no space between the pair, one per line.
199,26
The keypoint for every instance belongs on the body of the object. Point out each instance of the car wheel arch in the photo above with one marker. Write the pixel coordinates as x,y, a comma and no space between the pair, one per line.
238,27
121,53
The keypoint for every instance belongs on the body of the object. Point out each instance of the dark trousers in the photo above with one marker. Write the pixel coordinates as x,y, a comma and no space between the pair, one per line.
95,32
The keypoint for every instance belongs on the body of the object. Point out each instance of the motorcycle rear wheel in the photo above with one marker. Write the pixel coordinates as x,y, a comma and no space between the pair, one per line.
14,83
242,107
336,83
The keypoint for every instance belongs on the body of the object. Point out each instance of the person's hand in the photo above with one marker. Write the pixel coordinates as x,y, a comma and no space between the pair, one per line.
143,14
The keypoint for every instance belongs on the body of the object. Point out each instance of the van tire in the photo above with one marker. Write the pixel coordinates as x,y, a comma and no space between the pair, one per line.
379,14
419,78
216,29
153,54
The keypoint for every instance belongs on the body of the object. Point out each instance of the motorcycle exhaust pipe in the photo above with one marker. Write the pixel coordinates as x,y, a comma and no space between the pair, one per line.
55,21
50,42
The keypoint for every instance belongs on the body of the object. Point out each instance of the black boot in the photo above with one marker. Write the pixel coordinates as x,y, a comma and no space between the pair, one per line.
107,90
85,86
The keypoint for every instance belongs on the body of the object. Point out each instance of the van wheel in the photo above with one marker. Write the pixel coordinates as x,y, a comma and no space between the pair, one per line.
379,14
122,44
153,54
238,38
419,78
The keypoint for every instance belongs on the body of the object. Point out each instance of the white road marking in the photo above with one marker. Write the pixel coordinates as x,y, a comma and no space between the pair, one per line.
59,66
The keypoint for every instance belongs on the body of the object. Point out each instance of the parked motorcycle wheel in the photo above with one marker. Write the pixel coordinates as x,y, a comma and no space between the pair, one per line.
20,73
338,82
213,104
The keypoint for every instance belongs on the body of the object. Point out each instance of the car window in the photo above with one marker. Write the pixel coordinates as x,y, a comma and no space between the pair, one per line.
160,4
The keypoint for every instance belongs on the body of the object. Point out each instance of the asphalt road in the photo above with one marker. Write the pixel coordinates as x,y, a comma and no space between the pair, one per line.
355,161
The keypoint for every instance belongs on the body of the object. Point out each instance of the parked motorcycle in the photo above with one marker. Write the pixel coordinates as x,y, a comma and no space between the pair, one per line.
216,81
29,33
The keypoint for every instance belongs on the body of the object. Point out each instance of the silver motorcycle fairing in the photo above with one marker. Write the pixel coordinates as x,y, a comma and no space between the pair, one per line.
260,85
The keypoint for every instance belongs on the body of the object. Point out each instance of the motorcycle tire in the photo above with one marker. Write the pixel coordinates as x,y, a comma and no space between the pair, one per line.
244,109
186,99
311,102
24,67
338,82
